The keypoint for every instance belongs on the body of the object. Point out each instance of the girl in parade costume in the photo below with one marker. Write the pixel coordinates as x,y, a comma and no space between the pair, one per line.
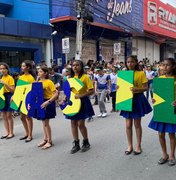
50,95
27,75
78,120
9,86
169,67
140,106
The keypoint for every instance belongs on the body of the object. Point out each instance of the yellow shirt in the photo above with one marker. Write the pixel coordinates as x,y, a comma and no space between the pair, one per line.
48,88
87,84
9,81
139,79
27,77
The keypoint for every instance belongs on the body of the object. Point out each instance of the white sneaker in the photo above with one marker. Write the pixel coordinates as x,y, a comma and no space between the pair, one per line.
100,115
104,115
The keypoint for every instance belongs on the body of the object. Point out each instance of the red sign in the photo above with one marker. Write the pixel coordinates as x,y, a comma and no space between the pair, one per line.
160,18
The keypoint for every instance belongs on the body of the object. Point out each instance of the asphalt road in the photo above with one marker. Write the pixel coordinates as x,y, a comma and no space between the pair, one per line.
104,161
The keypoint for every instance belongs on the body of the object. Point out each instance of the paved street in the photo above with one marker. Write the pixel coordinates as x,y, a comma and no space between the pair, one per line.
105,161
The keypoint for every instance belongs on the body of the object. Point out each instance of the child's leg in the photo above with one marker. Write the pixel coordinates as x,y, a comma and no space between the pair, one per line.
163,144
10,123
138,127
113,100
85,146
6,124
129,132
83,129
74,128
47,130
30,127
151,90
76,146
24,122
172,145
101,97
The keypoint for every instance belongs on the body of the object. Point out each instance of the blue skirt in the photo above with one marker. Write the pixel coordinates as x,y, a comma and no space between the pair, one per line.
50,111
141,107
86,110
162,127
7,102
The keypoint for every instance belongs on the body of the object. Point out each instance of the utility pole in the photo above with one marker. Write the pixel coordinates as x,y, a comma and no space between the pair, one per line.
79,29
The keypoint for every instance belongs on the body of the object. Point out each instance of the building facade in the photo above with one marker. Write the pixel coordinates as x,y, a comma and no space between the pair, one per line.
124,21
24,32
158,40
113,22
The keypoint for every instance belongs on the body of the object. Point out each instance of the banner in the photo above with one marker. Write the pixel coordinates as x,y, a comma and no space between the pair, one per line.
124,96
2,98
159,18
28,94
72,106
164,97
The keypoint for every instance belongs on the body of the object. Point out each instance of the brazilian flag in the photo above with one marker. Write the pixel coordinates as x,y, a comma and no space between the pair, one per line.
2,98
164,96
124,96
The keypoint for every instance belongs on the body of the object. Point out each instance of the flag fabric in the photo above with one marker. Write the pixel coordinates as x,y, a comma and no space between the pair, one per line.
164,97
124,96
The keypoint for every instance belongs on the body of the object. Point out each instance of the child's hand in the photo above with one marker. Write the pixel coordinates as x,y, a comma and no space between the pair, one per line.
153,101
78,96
109,91
134,89
62,102
174,104
2,82
45,104
117,87
28,107
11,99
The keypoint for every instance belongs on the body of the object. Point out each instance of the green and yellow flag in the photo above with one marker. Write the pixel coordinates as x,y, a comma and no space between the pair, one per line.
124,96
164,96
2,98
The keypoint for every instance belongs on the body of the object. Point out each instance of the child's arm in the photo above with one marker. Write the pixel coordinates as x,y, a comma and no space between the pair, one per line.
9,88
95,85
88,93
109,86
174,104
49,101
140,90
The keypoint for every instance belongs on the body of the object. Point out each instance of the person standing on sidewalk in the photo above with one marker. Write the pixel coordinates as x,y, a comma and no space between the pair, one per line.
9,86
102,87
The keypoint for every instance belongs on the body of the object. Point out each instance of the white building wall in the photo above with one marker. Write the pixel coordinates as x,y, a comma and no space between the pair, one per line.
146,49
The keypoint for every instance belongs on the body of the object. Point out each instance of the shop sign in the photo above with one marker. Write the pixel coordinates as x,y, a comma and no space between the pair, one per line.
126,14
65,45
118,8
117,48
160,18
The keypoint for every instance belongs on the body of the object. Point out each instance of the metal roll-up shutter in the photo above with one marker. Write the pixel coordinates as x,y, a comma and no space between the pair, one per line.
88,50
107,51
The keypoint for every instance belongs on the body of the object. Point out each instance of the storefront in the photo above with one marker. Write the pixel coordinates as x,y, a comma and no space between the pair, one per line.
114,22
160,28
24,41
